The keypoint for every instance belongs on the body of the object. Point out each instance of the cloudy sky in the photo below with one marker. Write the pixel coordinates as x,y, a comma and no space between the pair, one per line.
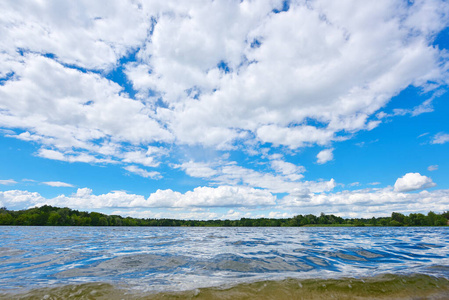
225,109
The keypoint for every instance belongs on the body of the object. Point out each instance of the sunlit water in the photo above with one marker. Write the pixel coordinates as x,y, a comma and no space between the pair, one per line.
154,259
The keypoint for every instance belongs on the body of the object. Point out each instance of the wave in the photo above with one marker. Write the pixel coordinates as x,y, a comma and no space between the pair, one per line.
146,261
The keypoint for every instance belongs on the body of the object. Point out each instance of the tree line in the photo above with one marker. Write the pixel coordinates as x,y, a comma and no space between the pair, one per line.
55,216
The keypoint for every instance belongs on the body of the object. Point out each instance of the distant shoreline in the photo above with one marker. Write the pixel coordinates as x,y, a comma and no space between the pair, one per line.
55,216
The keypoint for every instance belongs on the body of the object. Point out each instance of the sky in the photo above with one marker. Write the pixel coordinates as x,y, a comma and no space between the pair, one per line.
225,109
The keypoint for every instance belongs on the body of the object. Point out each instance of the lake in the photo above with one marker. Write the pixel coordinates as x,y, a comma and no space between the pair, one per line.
128,262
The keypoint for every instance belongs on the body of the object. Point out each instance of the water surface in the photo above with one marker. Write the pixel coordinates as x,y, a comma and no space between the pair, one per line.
170,259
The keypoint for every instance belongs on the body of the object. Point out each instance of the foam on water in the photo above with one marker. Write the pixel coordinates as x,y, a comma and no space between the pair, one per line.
154,259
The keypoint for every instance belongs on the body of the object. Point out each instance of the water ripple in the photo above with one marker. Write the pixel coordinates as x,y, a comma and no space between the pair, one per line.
185,258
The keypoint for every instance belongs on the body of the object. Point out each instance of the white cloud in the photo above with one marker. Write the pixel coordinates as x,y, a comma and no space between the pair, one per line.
289,170
72,156
28,180
423,134
78,117
440,138
218,74
198,169
232,215
412,182
168,214
432,168
82,33
206,202
84,199
294,137
68,108
286,178
425,107
51,154
221,196
57,184
147,158
325,155
278,215
19,198
367,56
7,181
368,202
226,73
142,172
233,174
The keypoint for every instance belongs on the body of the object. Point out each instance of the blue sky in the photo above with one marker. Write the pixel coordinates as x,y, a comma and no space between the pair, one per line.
225,109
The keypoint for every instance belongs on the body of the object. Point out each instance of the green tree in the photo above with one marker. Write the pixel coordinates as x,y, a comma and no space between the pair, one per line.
395,223
65,216
95,218
53,219
103,221
398,217
311,219
75,220
6,219
417,220
86,221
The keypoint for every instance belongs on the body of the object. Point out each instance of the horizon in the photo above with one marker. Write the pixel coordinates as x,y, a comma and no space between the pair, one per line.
394,216
220,110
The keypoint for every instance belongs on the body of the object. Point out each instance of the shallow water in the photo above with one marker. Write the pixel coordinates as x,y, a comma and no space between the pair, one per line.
142,260
379,287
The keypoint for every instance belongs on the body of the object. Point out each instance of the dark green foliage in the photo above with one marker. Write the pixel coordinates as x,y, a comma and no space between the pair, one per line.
397,217
55,216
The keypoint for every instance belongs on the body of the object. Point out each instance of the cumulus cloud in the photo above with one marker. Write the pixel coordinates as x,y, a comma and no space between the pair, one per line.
203,202
286,177
368,202
412,182
221,75
69,112
58,184
324,156
289,170
223,196
198,169
190,215
147,158
294,137
85,199
19,198
81,33
311,75
239,86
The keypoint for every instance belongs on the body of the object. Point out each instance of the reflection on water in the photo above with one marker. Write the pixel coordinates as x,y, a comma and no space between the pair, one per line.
178,259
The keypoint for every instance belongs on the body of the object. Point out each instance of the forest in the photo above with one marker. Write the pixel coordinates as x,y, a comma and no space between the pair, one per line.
55,216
